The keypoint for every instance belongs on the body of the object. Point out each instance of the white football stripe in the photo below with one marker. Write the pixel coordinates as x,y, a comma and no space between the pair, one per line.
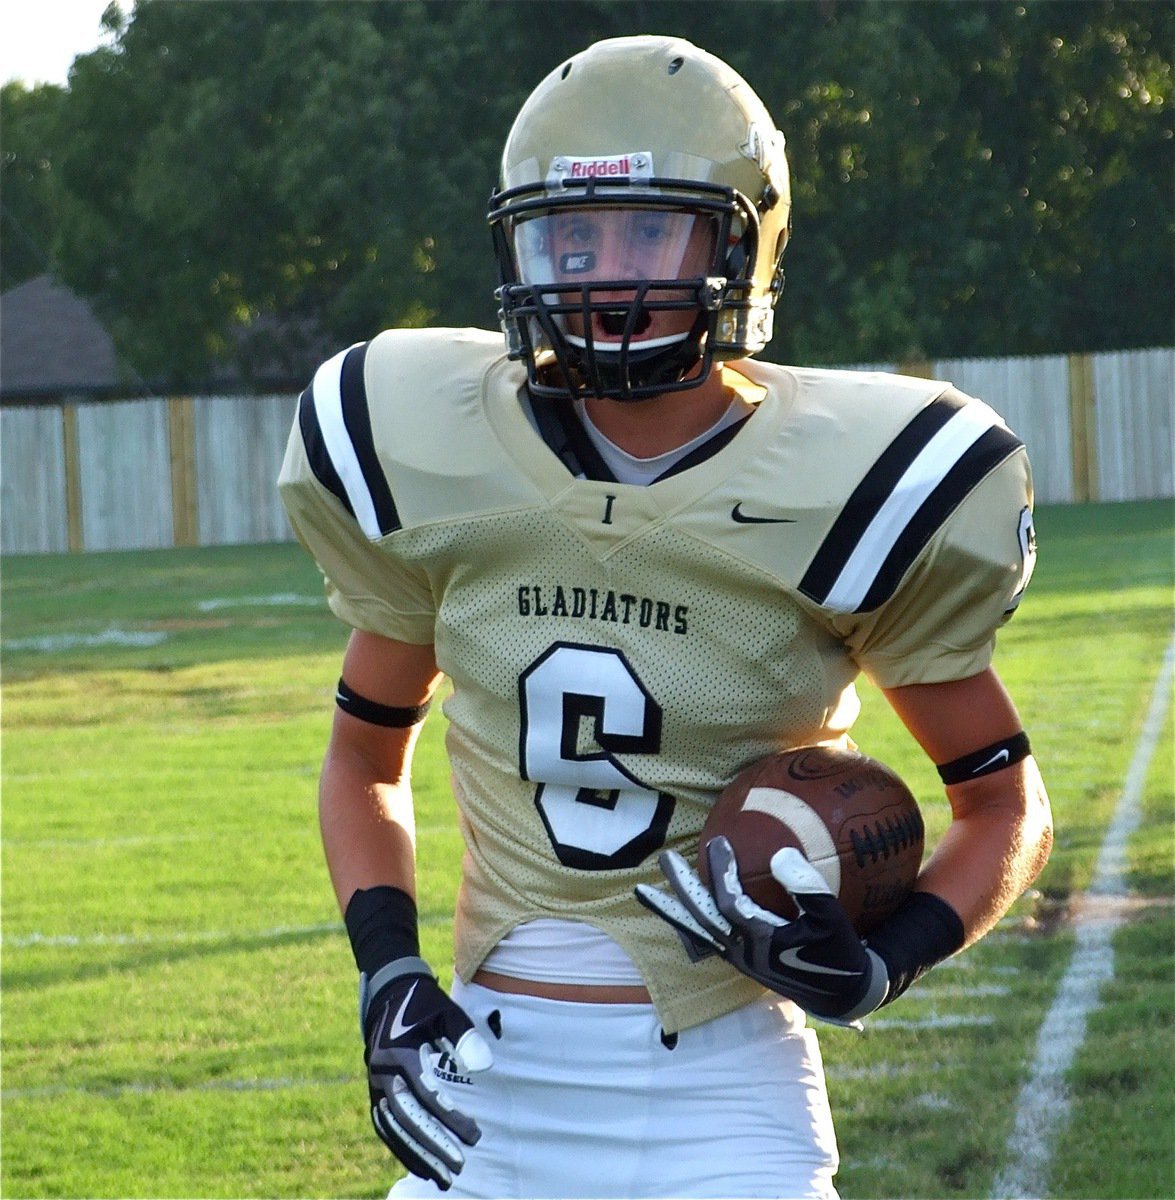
921,477
1046,1098
806,823
328,404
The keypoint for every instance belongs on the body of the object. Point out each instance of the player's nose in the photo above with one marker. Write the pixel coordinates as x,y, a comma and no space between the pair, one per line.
616,257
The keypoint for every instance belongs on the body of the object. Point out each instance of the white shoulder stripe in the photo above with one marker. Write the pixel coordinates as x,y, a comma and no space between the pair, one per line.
328,406
929,468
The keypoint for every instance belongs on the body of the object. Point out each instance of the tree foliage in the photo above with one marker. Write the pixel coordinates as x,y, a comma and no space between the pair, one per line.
30,199
245,183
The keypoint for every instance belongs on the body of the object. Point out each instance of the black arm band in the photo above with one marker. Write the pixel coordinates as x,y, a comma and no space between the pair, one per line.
381,923
991,758
923,931
378,714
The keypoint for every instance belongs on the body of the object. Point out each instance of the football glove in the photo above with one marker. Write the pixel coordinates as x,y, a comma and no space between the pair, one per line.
408,1024
817,960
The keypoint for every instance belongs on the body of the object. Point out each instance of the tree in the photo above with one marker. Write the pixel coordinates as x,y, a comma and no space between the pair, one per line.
981,178
30,193
247,184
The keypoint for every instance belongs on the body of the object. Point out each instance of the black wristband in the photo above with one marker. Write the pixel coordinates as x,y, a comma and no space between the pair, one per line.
387,715
991,758
923,931
381,923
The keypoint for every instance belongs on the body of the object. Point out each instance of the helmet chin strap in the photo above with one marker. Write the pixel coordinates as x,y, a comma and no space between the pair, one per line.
614,347
664,363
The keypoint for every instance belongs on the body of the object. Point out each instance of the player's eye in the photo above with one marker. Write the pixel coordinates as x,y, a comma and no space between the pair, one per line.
580,232
651,231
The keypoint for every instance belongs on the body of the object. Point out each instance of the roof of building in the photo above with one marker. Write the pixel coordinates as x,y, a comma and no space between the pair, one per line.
52,344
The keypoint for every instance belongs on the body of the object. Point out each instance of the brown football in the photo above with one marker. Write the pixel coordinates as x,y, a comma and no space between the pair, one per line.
850,816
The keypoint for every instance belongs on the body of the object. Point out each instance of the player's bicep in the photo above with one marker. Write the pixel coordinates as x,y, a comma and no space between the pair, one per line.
390,672
971,730
953,719
388,683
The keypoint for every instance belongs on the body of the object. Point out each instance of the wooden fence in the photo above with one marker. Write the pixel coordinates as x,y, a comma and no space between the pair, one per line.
200,471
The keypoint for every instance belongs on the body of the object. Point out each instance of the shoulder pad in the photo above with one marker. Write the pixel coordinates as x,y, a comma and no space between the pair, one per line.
339,427
900,502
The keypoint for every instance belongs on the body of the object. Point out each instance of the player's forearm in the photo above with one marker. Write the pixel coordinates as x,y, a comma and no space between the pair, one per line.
995,847
368,832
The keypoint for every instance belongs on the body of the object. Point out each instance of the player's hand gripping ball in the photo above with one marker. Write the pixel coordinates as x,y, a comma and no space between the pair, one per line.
850,816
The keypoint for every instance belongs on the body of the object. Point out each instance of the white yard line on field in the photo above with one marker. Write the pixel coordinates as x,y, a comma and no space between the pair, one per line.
171,937
151,839
179,936
277,600
52,642
115,1090
932,1020
1044,1102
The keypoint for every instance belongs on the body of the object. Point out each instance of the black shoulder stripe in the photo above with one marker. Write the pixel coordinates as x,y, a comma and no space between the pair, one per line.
870,494
316,451
357,419
902,500
984,455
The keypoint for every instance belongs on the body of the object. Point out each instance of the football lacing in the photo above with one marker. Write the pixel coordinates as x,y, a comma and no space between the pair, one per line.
883,839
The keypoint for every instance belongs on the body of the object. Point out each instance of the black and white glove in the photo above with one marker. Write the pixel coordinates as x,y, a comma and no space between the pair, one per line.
408,1023
818,960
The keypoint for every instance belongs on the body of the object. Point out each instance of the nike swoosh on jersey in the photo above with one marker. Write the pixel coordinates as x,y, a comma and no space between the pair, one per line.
1001,756
744,519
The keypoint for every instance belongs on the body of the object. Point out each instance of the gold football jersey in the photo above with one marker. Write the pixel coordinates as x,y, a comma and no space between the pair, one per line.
619,653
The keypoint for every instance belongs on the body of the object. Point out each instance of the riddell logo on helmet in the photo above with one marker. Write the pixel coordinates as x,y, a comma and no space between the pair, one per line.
634,165
588,168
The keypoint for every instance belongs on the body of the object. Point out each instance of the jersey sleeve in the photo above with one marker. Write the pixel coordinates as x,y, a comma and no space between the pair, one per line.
341,507
941,621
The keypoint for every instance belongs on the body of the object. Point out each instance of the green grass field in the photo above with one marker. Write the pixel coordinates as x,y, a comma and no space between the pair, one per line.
178,995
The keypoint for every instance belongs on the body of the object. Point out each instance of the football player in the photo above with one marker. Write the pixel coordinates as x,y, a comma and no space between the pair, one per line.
644,561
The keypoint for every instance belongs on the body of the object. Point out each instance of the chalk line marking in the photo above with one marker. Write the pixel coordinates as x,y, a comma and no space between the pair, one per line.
21,941
1044,1102
111,843
882,1070
114,1091
181,936
153,839
49,643
932,1020
277,600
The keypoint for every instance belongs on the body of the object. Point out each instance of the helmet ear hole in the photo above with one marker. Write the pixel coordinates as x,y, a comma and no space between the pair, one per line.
777,276
736,259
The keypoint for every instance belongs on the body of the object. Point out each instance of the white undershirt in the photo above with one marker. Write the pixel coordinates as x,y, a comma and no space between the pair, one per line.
549,949
557,951
629,469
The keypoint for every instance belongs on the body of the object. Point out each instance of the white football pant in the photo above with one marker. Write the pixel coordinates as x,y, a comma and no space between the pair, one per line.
587,1100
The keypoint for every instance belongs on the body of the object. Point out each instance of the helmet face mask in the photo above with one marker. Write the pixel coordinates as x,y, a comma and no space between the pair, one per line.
619,296
618,279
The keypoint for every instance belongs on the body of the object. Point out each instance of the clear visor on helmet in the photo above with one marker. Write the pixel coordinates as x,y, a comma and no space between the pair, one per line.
586,259
575,246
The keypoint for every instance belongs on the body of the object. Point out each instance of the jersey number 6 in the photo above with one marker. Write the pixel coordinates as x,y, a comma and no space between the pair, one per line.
582,706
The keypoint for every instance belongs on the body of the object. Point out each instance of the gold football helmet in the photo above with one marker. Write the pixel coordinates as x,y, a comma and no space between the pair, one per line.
642,214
